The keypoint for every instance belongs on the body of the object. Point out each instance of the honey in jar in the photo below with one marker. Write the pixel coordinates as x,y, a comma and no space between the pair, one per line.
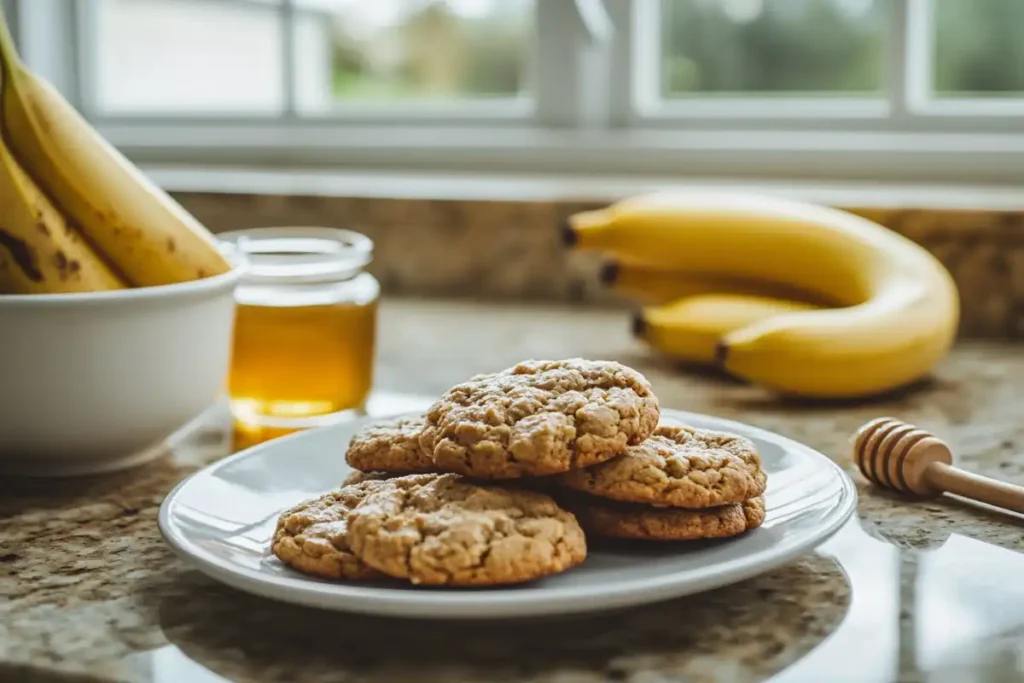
305,326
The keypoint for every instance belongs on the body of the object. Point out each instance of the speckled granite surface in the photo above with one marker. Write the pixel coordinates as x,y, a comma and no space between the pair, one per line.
910,591
511,250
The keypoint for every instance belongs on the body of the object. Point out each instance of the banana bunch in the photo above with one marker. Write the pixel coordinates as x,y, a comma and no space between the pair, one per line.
801,299
76,215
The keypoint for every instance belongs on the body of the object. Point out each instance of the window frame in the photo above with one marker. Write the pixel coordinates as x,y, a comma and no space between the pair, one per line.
905,105
600,124
425,113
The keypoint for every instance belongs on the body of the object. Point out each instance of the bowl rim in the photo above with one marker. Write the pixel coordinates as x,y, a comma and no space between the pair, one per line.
155,292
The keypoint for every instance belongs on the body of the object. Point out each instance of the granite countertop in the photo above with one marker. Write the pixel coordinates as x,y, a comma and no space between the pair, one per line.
908,590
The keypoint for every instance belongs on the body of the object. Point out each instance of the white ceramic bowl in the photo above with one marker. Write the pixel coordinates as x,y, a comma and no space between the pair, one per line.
95,382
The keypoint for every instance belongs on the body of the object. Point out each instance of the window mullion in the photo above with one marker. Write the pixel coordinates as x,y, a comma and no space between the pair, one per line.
289,84
898,59
86,43
909,57
573,63
623,74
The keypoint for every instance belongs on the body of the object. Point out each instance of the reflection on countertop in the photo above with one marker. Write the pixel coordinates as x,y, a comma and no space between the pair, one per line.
963,624
908,590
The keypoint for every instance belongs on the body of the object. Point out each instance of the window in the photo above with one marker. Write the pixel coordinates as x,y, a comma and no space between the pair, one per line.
777,48
419,51
978,49
249,56
870,89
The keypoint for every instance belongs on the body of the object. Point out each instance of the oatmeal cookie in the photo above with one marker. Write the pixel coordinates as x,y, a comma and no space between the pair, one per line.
450,532
540,418
678,467
390,446
357,477
632,520
311,536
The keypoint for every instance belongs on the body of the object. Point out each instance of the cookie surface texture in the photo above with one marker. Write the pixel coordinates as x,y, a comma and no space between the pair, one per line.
390,446
451,532
311,536
357,477
540,418
679,467
629,520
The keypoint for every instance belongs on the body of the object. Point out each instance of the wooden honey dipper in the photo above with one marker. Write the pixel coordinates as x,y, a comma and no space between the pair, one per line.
896,455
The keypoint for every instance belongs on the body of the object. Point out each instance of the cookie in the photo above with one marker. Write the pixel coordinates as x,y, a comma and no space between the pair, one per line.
631,520
540,418
679,467
390,446
450,532
357,477
311,536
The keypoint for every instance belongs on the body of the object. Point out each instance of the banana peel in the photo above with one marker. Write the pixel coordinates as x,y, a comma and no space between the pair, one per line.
896,309
133,224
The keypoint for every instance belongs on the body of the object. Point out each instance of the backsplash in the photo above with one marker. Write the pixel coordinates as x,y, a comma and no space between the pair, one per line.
512,249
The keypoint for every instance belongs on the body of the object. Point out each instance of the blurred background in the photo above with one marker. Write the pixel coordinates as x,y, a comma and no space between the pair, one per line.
216,55
593,87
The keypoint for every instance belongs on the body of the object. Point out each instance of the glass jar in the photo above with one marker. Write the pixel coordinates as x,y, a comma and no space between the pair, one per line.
305,326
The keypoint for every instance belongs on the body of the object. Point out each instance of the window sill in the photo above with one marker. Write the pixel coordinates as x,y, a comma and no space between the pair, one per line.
423,185
929,157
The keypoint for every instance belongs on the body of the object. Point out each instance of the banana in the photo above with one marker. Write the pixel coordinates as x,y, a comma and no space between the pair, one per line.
39,252
690,329
898,308
143,232
661,285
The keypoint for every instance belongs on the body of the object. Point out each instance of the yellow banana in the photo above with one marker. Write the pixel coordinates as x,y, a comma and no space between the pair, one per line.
39,252
690,329
145,234
662,285
900,307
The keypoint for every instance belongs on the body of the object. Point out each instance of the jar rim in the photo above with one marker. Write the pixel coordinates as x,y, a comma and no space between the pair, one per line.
299,254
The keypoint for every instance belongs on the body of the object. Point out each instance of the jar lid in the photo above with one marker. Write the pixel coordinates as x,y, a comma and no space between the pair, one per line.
299,254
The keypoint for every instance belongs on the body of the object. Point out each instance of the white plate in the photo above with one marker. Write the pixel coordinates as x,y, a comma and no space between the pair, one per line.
221,519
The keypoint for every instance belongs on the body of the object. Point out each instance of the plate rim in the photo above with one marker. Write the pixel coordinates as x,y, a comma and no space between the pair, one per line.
507,601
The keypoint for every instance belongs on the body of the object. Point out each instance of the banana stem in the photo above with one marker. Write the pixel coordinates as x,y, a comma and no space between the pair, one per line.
580,223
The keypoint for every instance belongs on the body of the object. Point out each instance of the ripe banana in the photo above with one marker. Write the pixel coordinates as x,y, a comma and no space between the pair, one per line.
690,329
144,233
899,306
39,252
661,285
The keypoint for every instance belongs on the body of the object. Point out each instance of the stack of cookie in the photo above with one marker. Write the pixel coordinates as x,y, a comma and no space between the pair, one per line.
492,484
680,484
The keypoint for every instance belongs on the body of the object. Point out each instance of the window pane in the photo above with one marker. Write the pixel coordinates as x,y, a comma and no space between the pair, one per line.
202,56
979,48
766,47
386,50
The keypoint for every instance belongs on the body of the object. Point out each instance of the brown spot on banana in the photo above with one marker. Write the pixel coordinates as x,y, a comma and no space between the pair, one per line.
62,264
170,244
22,255
41,223
721,354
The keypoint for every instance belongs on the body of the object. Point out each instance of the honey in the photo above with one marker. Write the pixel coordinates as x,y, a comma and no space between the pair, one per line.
305,326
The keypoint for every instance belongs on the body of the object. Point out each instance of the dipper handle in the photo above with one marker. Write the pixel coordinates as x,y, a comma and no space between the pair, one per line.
896,455
976,487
